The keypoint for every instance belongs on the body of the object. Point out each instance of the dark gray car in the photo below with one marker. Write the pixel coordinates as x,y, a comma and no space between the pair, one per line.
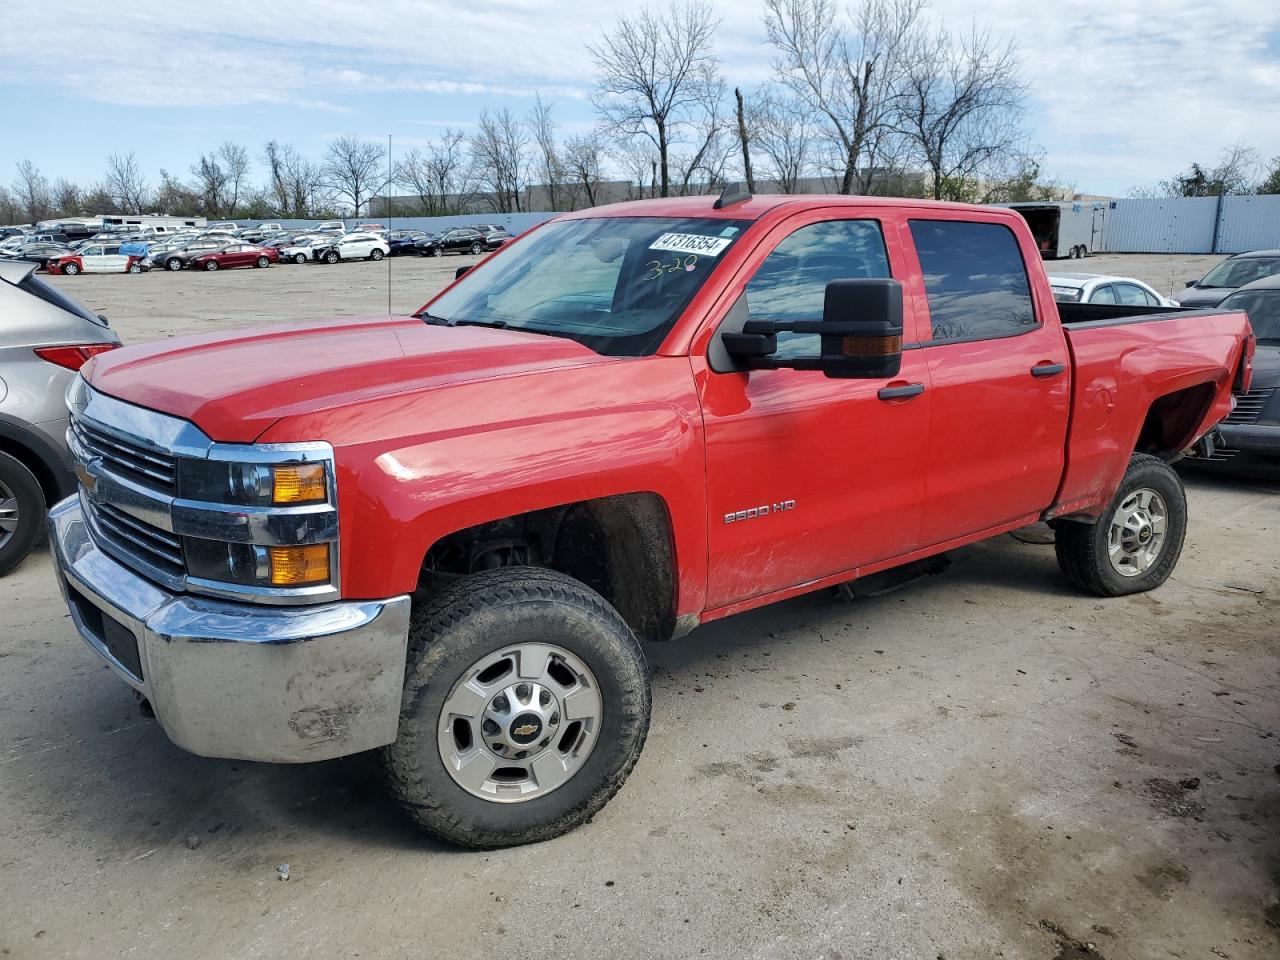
45,337
1231,274
1250,435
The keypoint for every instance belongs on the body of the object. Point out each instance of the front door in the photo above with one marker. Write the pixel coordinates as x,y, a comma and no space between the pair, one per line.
807,476
1000,378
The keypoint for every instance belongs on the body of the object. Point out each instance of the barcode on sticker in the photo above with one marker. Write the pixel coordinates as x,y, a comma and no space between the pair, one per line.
691,243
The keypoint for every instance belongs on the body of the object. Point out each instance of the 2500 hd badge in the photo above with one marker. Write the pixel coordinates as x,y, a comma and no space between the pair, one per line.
761,511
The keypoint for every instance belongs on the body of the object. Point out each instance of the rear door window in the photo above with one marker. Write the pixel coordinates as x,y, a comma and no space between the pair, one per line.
975,280
1132,295
1103,294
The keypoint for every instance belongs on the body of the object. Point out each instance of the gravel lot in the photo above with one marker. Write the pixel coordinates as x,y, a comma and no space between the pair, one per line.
981,764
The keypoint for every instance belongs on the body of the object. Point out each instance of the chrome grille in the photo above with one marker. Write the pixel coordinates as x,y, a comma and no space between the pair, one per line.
137,542
127,457
1249,406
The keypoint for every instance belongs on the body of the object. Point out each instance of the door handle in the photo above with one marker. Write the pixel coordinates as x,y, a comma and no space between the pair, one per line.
904,392
1047,369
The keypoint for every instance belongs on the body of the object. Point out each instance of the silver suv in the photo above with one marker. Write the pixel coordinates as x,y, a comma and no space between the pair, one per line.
45,337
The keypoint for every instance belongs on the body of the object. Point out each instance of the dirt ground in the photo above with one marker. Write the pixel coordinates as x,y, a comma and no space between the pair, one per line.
984,763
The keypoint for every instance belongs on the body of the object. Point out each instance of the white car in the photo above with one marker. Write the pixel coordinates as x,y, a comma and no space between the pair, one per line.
302,249
1099,288
353,246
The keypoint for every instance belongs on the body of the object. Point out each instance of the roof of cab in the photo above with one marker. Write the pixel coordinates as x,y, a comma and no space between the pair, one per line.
756,207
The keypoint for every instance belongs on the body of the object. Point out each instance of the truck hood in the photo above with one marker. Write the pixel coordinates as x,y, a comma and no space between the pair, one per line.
1201,296
233,386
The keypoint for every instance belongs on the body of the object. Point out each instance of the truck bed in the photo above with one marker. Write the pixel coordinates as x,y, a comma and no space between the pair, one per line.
1128,364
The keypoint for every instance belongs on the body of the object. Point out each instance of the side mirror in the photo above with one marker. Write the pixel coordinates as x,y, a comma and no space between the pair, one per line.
1191,283
460,271
860,332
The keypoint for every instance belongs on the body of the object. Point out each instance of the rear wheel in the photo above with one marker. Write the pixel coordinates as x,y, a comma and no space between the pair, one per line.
331,257
525,707
1135,544
376,254
263,262
477,248
135,268
21,511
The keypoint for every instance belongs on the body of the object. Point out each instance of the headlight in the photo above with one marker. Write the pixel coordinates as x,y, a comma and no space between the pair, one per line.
253,484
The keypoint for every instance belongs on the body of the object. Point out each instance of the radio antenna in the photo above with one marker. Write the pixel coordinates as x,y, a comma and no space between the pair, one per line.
390,225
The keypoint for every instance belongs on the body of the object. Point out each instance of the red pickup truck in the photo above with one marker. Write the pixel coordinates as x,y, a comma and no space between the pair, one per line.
445,535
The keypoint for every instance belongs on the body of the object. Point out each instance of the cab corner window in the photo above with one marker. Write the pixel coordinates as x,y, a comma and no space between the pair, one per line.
975,280
791,284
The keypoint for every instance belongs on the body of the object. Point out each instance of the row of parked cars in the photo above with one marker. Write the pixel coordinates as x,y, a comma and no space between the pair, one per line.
225,246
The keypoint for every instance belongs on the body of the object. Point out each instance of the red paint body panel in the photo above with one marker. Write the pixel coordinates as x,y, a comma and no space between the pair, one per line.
436,429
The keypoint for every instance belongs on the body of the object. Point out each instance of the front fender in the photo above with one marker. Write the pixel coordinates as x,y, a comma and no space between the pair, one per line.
415,468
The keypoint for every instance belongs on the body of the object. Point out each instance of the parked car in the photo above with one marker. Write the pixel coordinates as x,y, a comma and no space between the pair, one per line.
235,255
352,246
228,225
45,338
302,249
496,238
39,253
97,258
1099,288
457,240
455,528
180,258
1248,439
402,241
336,227
370,228
1231,274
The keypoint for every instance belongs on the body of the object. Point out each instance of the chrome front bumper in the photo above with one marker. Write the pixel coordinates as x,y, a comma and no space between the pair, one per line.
227,679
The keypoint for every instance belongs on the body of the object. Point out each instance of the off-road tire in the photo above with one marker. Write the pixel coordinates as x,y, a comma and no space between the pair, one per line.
480,615
25,488
1082,547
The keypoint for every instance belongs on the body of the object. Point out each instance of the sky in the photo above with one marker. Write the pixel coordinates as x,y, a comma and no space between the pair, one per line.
1123,93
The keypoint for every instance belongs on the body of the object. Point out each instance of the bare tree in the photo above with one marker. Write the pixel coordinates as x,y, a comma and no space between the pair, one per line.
783,132
210,184
550,168
295,185
499,160
655,74
847,69
1233,174
437,175
126,183
174,196
962,102
31,192
10,211
584,162
355,170
235,164
65,198
1270,182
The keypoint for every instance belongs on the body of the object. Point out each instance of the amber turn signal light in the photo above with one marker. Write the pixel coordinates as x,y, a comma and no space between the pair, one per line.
298,483
298,566
871,346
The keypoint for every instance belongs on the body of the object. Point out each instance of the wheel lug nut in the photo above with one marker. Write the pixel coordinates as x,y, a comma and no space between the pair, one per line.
544,742
491,729
498,748
500,704
522,691
555,718
522,754
544,698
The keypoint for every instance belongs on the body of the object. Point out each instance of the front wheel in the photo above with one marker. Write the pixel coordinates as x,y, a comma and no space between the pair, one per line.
135,268
211,265
21,511
70,269
331,256
376,254
526,704
477,248
437,251
173,264
1135,544
299,258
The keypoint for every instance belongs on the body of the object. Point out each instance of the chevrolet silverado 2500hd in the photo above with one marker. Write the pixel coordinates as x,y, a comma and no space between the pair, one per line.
444,535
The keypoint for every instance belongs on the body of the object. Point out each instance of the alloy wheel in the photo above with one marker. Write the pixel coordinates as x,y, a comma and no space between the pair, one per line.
1137,533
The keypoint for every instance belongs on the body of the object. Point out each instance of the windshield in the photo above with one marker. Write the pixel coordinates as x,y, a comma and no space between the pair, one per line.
616,285
1263,308
1236,273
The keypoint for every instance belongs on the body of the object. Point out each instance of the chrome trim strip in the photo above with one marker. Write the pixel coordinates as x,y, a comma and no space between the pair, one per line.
269,526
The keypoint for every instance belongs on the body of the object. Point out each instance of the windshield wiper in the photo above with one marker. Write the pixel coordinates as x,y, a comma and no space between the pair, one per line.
499,324
430,318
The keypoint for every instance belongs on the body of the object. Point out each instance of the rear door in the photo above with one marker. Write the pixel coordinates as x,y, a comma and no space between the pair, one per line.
1000,378
808,476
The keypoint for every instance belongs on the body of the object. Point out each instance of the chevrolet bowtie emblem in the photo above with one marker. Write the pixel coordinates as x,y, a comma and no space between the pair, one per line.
525,730
87,479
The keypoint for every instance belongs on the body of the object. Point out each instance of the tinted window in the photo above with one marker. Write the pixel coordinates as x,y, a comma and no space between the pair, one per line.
974,278
1104,294
791,284
1132,296
1263,308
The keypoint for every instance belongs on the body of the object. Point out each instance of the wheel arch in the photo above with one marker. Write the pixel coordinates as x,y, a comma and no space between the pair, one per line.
621,545
51,470
1172,420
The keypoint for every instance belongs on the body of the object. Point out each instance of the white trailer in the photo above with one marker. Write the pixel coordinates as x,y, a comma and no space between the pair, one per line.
151,223
1064,229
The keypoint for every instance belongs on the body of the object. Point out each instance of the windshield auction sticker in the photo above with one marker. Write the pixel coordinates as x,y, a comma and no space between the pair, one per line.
691,243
